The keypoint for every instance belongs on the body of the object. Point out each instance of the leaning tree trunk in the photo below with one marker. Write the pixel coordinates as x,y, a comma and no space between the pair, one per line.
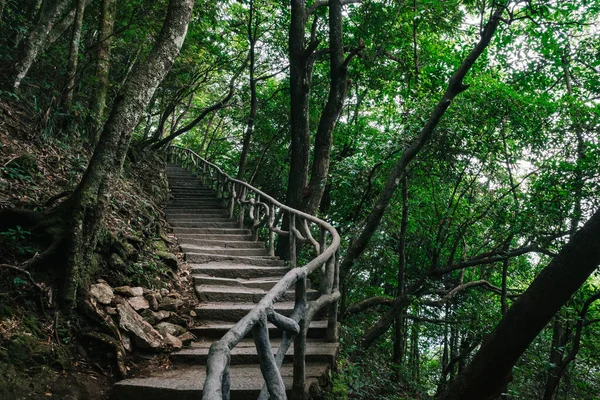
34,44
489,370
455,87
87,204
69,89
98,99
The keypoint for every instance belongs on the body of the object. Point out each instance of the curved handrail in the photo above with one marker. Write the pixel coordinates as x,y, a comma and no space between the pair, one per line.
241,194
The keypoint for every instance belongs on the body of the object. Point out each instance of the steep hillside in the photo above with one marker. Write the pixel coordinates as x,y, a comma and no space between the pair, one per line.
46,354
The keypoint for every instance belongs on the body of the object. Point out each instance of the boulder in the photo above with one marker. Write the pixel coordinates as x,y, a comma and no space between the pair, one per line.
102,292
169,259
138,303
170,304
144,335
173,341
154,318
154,299
128,291
168,328
187,338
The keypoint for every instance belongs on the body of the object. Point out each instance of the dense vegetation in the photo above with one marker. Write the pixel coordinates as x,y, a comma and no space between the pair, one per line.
452,144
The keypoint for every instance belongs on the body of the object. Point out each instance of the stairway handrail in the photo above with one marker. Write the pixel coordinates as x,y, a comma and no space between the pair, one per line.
242,194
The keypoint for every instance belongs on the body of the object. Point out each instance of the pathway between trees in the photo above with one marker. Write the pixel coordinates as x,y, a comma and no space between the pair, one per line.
231,274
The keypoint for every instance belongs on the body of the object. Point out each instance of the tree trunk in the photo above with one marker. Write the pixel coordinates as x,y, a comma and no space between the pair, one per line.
35,41
85,207
253,98
455,87
338,88
529,314
399,332
98,99
69,89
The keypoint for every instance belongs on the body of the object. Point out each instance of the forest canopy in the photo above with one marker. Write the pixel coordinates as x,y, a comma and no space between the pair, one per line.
453,145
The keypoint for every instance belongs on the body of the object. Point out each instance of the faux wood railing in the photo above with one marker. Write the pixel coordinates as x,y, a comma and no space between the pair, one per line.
265,216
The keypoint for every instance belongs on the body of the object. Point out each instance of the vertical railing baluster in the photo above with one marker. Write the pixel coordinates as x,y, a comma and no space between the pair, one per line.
242,211
300,339
332,329
233,196
271,233
266,359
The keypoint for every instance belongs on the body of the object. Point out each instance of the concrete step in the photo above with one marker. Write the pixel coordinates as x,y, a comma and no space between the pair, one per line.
234,311
263,283
185,382
231,238
224,251
317,351
199,218
204,224
196,210
216,329
201,258
223,244
224,293
211,231
238,270
195,202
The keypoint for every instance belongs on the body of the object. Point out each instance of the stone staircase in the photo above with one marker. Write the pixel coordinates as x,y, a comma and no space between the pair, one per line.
231,274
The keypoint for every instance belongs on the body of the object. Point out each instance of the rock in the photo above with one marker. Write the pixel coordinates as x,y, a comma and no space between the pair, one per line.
117,262
111,311
129,291
173,341
154,318
168,328
169,259
126,340
170,304
187,338
177,320
164,292
144,335
192,313
138,303
102,292
154,300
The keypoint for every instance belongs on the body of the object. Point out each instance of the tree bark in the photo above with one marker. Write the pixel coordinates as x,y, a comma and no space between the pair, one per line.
98,99
338,88
399,332
69,88
35,41
85,207
253,98
529,314
455,87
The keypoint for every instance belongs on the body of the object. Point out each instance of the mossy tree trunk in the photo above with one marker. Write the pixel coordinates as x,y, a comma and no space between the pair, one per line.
86,206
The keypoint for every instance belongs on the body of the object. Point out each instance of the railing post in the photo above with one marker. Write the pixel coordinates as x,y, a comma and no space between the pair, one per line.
242,211
298,389
271,233
332,326
268,365
233,196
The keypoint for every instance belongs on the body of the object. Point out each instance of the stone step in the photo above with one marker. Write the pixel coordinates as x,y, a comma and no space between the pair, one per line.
211,231
223,244
196,202
201,258
234,311
224,250
185,382
199,218
200,211
238,270
225,293
215,237
264,283
317,351
204,224
216,329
